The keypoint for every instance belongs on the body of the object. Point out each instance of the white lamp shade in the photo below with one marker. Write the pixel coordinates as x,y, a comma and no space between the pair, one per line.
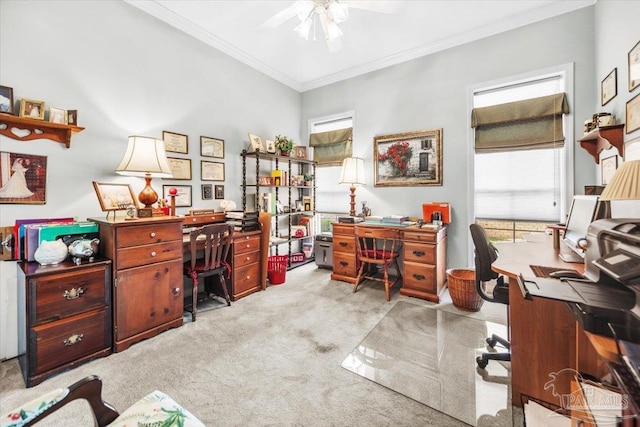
352,171
625,184
145,155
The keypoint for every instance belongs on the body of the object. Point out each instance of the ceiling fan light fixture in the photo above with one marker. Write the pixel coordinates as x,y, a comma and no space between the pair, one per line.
333,31
339,12
303,28
303,9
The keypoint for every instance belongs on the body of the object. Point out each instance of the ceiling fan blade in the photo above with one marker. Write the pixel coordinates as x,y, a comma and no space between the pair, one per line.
382,6
279,18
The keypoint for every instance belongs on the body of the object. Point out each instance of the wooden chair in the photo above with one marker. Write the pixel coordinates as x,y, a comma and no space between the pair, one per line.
209,248
157,408
377,247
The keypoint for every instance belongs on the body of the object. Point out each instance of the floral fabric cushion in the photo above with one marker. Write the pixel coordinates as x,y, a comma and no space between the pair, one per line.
22,415
156,409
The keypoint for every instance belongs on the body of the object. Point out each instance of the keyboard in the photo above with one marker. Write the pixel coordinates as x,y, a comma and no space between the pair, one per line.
542,271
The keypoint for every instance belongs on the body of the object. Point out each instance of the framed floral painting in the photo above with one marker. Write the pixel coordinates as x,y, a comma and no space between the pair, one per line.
408,159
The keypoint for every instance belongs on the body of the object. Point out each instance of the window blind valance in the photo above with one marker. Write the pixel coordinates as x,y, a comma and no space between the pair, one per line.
521,125
332,147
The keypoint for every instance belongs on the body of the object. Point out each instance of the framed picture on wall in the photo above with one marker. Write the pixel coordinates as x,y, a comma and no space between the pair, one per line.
609,87
180,168
633,114
211,147
183,198
219,191
211,171
608,167
23,178
175,142
634,67
207,192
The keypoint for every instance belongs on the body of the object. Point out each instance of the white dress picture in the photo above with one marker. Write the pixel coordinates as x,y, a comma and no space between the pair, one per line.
16,185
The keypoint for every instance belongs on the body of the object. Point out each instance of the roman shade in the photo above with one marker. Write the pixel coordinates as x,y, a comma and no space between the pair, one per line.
332,147
521,125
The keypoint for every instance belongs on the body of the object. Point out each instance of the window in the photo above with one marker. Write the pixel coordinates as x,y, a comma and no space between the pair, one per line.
526,184
331,138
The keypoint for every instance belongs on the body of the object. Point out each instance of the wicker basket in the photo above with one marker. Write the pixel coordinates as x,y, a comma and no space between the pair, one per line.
462,288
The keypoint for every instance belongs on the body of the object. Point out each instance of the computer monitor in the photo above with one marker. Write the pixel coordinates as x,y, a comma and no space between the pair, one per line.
582,213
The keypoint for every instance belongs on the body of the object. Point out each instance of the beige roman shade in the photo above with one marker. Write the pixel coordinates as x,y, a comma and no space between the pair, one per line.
332,147
521,125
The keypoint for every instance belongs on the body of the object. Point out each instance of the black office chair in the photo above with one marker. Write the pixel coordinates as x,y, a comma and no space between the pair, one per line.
485,255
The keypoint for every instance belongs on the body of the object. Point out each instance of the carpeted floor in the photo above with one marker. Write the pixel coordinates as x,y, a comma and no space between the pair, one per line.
272,358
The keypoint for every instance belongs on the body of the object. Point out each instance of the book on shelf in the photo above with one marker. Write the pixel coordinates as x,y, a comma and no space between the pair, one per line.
280,177
266,202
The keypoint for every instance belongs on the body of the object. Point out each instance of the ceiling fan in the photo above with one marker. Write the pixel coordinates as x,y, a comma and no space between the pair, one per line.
329,13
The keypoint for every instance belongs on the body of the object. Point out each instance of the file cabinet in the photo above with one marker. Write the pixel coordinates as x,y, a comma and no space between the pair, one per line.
65,317
245,271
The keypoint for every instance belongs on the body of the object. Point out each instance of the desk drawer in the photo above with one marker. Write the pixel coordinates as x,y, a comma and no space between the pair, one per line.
344,244
246,244
420,236
148,254
64,295
246,278
198,220
69,339
419,252
419,276
342,229
148,234
344,264
240,260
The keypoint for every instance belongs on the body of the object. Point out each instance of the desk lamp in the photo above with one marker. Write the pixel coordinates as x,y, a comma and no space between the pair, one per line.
625,184
147,158
352,174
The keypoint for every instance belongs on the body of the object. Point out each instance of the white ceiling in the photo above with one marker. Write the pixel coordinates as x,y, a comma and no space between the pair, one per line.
371,40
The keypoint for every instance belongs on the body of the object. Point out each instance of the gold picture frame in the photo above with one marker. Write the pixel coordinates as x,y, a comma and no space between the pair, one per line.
114,197
211,147
58,115
175,142
211,171
180,168
255,143
408,159
32,109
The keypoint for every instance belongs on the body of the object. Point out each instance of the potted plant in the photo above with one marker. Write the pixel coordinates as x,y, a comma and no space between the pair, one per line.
308,179
284,144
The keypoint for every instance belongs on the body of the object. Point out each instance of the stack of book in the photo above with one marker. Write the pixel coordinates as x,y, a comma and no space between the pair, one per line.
243,221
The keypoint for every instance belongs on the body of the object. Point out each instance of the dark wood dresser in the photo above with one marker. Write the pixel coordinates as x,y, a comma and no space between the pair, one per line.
67,316
147,276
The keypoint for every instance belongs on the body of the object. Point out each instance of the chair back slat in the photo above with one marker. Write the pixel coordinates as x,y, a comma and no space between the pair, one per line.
215,240
377,243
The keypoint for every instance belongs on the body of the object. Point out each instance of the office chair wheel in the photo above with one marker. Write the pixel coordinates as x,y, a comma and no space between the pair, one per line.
482,363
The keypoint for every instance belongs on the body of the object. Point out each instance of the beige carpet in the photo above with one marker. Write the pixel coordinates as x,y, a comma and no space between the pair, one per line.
272,358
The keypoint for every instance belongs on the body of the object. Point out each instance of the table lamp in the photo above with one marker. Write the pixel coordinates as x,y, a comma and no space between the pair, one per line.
625,184
352,174
145,157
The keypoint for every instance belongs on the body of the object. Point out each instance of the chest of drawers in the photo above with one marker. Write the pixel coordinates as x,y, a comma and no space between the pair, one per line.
345,265
147,276
66,316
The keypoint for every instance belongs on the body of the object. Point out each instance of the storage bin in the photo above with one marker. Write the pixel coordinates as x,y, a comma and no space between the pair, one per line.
277,269
462,288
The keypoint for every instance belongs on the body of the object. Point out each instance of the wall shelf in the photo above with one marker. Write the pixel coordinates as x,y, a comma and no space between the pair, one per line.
26,129
603,138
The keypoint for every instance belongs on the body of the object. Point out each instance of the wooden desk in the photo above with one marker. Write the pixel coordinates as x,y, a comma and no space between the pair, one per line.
545,337
423,261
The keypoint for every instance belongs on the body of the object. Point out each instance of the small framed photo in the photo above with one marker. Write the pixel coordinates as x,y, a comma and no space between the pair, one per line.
6,99
255,143
183,197
72,117
270,146
634,67
265,180
180,168
300,152
211,147
58,115
219,191
175,142
609,87
207,192
114,197
32,109
211,171
633,114
608,167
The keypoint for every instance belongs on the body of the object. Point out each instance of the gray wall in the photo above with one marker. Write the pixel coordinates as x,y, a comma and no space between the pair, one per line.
431,92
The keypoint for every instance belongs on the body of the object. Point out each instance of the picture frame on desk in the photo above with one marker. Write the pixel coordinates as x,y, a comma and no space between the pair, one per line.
408,159
183,198
114,197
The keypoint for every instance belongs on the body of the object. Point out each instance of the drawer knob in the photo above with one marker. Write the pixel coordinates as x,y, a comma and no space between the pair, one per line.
176,291
73,293
153,253
343,244
73,339
418,253
248,245
248,277
344,263
248,258
418,276
153,234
